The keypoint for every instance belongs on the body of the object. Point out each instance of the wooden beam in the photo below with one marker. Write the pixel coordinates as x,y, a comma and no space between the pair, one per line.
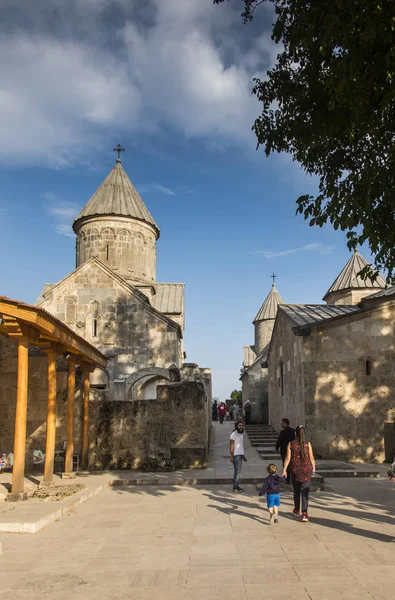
18,470
85,422
51,418
70,417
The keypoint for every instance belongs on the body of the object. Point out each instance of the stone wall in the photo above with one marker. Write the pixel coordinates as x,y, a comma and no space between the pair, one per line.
121,324
263,333
256,390
350,296
126,435
346,407
286,374
339,382
127,246
123,434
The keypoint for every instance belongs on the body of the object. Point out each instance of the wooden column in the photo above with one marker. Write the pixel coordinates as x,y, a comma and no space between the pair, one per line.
70,417
18,471
85,422
51,418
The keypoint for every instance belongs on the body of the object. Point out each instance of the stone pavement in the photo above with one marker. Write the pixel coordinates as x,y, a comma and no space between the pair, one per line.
204,542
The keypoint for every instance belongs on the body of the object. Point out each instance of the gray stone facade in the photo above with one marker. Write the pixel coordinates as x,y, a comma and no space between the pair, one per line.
338,381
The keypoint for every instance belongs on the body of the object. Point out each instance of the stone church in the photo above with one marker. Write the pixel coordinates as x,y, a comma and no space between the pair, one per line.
254,378
112,298
147,406
331,366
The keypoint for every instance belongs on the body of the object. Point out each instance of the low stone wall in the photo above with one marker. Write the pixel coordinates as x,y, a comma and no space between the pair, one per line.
123,434
129,434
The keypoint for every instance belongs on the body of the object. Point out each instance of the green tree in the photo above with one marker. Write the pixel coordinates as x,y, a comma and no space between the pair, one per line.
329,101
236,396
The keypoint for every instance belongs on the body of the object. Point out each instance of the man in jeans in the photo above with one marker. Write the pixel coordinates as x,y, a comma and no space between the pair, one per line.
237,455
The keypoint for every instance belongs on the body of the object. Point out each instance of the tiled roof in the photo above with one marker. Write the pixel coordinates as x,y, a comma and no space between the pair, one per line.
314,314
349,278
268,309
390,291
117,196
169,298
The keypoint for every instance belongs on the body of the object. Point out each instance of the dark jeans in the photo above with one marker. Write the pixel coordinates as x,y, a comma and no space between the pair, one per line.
237,462
221,418
301,489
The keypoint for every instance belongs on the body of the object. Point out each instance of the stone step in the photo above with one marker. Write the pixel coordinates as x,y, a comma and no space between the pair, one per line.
347,473
270,457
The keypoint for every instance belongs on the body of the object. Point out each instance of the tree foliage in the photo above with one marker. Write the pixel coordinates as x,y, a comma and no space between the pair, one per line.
329,100
236,396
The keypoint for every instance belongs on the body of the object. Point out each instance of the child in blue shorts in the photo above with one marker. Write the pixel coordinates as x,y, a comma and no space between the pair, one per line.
271,487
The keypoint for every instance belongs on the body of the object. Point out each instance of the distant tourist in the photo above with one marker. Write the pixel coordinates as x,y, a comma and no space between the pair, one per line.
235,411
247,412
227,414
221,412
287,435
215,410
237,455
301,458
271,487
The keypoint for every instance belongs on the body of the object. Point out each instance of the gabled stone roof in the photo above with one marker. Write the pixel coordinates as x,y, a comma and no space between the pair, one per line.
349,278
169,298
117,196
390,291
314,314
268,309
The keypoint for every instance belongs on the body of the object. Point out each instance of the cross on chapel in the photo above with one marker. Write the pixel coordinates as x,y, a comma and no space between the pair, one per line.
118,149
274,277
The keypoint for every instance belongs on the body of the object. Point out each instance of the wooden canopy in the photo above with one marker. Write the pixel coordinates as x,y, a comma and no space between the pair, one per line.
40,328
29,324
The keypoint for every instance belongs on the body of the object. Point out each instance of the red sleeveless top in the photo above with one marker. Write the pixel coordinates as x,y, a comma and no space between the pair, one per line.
303,470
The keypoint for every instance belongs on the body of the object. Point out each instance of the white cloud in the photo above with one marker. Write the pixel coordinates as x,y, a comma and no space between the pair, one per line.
63,214
318,248
64,229
167,64
144,188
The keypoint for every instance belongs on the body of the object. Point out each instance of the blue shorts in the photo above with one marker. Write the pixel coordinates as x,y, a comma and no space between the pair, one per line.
273,500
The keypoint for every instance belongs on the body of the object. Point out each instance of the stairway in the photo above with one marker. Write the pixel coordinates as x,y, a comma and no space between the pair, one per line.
263,438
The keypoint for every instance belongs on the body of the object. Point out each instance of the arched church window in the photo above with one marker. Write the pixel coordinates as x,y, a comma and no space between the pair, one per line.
94,328
368,367
107,252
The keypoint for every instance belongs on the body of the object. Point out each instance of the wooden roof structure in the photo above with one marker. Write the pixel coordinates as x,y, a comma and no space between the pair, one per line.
41,329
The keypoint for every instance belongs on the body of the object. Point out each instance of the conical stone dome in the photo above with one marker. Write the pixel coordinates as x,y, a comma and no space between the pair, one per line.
268,309
349,280
117,196
264,320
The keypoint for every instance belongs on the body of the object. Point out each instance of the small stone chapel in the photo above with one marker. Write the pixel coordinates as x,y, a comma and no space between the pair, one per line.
329,366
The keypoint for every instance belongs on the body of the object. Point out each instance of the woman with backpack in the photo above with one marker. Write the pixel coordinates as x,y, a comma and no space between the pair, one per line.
300,456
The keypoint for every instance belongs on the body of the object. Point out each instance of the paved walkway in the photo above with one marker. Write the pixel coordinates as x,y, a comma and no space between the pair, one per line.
204,542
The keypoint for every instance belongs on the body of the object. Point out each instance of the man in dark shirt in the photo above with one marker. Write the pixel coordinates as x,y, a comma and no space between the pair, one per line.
287,435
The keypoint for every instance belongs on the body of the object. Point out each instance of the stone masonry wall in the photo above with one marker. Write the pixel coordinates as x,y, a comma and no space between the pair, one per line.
346,407
258,393
122,434
326,385
286,363
125,435
127,246
263,334
119,324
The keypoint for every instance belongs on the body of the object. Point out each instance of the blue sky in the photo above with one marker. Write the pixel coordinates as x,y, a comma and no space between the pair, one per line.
171,82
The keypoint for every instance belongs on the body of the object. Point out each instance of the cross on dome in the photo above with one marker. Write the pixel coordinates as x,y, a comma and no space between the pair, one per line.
118,149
